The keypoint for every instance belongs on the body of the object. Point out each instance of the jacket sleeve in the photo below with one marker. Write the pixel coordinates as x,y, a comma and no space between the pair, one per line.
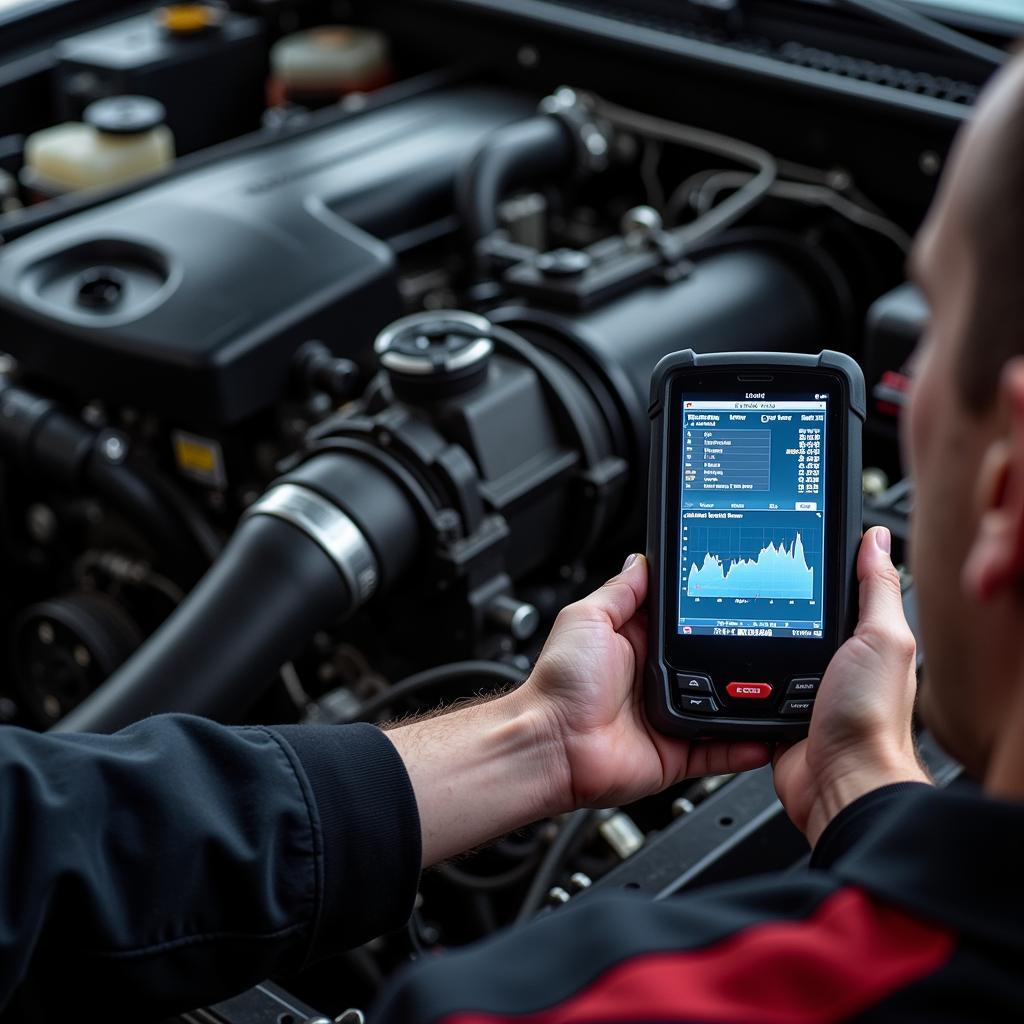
179,861
855,820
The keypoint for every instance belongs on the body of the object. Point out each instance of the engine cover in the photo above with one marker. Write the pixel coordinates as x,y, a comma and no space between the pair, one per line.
189,298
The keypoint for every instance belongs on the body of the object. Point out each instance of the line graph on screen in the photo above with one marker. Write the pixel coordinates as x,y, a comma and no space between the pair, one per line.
751,562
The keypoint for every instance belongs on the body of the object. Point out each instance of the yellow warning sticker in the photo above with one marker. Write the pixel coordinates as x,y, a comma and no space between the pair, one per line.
199,458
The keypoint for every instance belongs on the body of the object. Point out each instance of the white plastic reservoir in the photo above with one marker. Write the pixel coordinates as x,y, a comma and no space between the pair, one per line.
122,137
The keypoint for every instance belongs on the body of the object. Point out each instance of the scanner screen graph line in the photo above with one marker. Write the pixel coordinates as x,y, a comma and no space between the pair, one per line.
779,571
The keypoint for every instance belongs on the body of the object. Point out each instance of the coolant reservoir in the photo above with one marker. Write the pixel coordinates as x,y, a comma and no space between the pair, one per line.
122,138
321,65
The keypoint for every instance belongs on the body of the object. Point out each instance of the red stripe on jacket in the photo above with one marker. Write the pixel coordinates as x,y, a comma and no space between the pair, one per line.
848,955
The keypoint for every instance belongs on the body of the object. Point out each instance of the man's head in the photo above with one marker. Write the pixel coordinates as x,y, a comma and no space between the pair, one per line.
965,431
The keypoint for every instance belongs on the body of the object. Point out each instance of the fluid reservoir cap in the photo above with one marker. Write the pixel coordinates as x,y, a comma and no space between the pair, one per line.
188,19
125,115
436,354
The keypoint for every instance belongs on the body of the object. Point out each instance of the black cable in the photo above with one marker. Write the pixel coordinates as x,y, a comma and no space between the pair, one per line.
896,14
552,863
415,938
458,670
486,883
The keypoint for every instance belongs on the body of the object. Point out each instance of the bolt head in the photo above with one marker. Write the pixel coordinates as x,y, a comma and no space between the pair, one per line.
114,448
528,56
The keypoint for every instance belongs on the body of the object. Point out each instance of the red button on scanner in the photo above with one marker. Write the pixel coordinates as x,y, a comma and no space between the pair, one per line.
749,691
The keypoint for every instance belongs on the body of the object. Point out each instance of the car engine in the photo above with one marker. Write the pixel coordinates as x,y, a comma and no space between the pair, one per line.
325,414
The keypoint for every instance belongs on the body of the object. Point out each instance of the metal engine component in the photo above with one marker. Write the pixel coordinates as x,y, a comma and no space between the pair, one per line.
65,648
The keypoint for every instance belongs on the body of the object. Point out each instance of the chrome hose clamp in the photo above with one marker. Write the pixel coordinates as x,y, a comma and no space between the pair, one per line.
326,525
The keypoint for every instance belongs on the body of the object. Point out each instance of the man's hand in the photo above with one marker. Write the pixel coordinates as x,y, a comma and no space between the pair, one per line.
573,735
860,736
588,685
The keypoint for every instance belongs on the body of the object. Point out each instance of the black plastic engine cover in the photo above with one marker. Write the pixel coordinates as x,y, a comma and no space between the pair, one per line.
189,297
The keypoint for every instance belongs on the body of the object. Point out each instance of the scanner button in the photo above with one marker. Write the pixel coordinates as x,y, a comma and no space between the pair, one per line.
749,691
698,705
693,682
803,686
797,707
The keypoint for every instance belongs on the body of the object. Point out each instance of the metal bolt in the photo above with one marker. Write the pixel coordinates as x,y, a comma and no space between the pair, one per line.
580,881
528,56
83,659
929,163
839,179
94,415
45,633
641,222
558,896
621,833
595,142
51,706
519,618
351,1016
41,522
114,447
564,263
681,806
875,481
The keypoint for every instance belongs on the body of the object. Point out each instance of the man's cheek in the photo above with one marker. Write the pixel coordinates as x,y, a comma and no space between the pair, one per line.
916,423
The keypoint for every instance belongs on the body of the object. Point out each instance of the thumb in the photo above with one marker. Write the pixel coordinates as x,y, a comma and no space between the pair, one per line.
881,600
623,595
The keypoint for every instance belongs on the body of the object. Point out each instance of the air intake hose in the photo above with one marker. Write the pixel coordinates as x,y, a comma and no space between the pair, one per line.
318,545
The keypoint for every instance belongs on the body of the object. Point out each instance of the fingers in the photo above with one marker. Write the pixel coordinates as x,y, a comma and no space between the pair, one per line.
722,757
635,631
881,601
781,749
621,597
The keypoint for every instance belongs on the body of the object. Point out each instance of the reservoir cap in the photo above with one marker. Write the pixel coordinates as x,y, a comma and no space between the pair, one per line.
439,353
125,115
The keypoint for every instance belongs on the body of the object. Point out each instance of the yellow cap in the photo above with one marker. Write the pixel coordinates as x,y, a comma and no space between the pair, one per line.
184,19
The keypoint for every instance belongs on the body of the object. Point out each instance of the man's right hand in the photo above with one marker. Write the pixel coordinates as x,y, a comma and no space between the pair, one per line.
860,735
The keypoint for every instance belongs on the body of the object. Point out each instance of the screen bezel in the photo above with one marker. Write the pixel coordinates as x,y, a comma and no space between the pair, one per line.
757,658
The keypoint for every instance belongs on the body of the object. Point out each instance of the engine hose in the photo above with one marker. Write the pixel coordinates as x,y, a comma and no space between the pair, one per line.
129,492
540,148
570,832
487,883
297,563
50,444
252,612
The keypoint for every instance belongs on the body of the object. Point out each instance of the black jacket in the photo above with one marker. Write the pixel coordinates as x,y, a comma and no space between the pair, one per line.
912,912
179,861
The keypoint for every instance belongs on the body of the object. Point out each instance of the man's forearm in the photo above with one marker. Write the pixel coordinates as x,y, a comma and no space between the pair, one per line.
481,771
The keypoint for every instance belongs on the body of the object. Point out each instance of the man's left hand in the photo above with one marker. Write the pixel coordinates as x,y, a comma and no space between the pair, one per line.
588,682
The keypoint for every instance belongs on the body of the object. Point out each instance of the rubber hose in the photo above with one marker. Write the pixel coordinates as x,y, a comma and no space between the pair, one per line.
535,150
256,608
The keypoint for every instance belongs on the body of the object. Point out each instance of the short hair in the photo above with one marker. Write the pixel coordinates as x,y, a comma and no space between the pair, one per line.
995,225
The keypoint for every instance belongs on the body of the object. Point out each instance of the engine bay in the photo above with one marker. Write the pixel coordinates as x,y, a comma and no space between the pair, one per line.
320,405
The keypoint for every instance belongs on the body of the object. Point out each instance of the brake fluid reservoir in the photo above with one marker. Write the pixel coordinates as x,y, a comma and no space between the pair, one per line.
321,65
122,138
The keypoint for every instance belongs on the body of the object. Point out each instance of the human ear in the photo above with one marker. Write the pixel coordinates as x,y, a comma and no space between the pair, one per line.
995,560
